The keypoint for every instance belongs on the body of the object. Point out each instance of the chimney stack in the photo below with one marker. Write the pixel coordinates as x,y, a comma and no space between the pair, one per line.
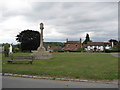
80,40
66,40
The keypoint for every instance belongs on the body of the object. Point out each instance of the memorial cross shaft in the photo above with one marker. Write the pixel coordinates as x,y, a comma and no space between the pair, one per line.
41,36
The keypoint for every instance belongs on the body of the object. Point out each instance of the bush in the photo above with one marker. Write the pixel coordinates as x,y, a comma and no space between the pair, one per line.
112,50
16,50
6,50
107,51
61,51
80,50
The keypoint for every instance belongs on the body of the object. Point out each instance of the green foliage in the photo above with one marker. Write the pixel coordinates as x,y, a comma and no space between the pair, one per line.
29,39
113,49
114,41
61,51
6,46
6,49
97,66
17,48
119,41
80,50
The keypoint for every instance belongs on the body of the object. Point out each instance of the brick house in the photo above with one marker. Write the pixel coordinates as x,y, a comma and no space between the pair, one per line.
54,48
72,45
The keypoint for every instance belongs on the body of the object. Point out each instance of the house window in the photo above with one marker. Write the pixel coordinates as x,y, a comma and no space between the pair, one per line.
76,45
68,45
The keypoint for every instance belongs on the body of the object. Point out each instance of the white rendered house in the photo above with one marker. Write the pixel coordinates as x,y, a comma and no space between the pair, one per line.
97,46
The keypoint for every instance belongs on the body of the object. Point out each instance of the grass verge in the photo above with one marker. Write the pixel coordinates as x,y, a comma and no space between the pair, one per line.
97,66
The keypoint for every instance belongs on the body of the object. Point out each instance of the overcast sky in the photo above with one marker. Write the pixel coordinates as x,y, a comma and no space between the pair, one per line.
72,20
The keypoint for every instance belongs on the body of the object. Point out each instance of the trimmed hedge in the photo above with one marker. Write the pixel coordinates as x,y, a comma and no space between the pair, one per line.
109,51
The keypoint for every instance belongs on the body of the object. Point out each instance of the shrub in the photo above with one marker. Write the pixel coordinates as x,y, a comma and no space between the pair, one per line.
6,50
113,49
16,50
61,51
80,50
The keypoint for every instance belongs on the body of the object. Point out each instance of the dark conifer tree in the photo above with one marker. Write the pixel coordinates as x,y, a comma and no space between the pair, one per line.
87,39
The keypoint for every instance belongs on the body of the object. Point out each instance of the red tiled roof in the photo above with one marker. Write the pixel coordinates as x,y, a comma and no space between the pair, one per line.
97,43
68,48
73,42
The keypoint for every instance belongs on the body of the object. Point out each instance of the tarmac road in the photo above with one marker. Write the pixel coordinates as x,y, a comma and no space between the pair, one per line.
18,82
116,54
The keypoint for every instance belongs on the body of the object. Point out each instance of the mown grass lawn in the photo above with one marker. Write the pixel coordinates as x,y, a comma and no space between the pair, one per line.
97,66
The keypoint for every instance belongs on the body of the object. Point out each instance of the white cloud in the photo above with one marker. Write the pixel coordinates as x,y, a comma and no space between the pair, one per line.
62,20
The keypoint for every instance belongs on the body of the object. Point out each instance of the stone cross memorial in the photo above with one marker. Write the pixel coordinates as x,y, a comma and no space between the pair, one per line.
41,53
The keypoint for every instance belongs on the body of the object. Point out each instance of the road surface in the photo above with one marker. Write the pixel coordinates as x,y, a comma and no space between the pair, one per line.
18,82
115,54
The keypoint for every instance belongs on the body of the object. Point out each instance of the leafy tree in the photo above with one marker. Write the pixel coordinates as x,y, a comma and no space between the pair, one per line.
119,41
29,39
6,49
87,39
17,48
114,41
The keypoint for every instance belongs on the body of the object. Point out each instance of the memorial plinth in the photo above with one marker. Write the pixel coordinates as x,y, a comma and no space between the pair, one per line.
41,53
